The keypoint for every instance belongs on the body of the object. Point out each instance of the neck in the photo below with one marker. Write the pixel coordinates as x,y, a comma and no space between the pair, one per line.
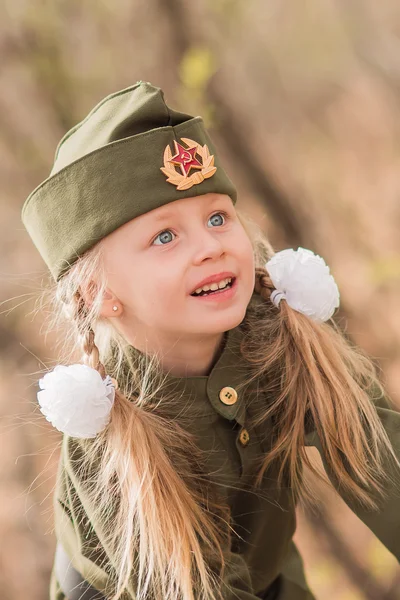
186,357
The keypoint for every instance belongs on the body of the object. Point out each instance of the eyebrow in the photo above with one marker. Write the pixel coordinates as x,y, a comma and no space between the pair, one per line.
170,214
163,216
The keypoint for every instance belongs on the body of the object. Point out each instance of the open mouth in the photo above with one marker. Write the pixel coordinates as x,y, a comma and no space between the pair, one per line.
219,291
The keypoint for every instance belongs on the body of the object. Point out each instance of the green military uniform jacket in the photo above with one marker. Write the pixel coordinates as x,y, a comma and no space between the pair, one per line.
264,519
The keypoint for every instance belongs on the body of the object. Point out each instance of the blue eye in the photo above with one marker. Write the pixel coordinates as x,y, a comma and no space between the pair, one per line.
217,214
162,236
168,231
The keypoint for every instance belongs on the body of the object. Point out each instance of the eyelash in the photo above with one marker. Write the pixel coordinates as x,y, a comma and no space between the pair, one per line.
220,212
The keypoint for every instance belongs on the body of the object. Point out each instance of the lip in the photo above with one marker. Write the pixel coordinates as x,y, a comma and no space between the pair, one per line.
221,296
214,279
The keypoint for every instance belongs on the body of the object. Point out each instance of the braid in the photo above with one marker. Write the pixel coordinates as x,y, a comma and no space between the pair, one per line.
91,352
263,283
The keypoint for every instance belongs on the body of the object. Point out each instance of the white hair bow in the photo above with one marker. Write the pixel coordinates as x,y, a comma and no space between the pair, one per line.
76,400
303,279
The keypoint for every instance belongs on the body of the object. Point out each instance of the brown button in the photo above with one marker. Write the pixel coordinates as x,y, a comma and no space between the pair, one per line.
244,437
228,395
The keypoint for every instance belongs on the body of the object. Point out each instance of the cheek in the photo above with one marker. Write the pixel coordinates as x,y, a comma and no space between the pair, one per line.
161,287
243,249
245,260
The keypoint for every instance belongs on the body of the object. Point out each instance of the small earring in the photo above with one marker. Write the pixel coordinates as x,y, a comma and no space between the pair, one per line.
115,308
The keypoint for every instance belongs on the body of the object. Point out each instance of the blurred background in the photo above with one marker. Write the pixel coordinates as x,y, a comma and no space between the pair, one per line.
303,102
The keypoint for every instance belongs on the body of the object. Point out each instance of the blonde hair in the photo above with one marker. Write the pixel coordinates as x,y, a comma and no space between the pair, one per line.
168,522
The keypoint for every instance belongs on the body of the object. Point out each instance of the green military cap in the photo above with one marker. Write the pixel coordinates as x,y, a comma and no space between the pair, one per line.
131,154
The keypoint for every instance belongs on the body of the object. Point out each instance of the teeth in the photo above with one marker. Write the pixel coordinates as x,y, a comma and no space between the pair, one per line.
214,286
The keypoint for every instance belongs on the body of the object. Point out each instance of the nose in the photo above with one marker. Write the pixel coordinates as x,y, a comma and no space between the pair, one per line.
207,245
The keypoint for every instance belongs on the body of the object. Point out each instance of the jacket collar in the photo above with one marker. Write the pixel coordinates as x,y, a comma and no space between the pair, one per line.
200,394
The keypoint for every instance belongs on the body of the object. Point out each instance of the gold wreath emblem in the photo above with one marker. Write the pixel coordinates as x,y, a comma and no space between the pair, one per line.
184,182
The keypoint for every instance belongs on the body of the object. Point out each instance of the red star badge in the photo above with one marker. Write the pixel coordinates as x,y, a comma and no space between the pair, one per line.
185,158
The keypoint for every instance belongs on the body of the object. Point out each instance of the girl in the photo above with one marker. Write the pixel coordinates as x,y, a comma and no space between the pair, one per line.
207,368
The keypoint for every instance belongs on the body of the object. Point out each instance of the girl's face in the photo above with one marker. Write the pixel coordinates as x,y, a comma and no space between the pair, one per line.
155,261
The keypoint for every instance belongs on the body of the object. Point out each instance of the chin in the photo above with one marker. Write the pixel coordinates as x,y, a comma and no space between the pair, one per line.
224,322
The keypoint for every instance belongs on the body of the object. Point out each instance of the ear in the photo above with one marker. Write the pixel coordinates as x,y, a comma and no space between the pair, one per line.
88,293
